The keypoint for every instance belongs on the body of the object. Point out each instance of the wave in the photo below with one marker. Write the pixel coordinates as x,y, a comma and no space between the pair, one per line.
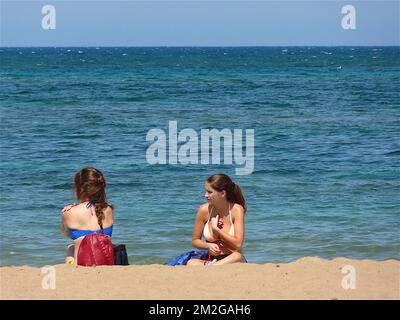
277,171
393,153
63,186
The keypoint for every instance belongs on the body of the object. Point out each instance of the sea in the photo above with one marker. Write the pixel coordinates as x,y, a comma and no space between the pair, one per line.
325,177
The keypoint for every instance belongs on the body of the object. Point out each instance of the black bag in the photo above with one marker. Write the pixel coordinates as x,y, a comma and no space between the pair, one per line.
120,255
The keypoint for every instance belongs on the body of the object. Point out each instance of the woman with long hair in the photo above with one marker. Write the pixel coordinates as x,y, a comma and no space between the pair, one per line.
221,222
92,215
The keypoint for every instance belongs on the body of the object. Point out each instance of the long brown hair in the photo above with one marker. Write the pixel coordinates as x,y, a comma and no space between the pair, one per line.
222,182
90,184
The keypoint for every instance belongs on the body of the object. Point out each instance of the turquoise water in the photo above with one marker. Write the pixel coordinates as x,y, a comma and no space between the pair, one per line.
327,148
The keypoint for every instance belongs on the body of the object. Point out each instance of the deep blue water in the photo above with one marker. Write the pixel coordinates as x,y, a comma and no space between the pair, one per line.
327,148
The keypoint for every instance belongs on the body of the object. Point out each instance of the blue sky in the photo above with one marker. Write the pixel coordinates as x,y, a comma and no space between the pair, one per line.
199,23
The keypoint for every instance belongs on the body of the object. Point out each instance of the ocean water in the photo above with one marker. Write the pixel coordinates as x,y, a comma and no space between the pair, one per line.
327,148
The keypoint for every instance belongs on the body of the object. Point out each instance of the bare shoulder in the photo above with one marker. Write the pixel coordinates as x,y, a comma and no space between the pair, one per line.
109,212
73,214
237,211
203,211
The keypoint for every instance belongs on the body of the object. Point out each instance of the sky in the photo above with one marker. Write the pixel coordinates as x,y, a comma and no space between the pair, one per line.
198,23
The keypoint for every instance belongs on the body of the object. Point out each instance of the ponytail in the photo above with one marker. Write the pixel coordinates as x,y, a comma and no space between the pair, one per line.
237,196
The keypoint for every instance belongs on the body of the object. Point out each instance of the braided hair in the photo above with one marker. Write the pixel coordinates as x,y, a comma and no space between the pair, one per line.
90,184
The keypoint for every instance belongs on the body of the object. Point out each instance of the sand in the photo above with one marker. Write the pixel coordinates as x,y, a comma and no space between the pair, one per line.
307,278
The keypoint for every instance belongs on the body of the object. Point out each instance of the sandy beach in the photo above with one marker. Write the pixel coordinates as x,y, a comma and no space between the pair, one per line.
307,278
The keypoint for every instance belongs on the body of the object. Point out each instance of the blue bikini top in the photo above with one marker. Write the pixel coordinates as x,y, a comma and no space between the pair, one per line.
75,233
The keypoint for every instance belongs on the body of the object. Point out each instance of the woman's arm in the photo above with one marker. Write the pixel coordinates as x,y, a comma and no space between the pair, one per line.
63,227
65,216
198,230
232,242
199,223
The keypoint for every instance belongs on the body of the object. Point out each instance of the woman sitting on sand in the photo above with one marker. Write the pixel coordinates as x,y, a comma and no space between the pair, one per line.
92,215
221,221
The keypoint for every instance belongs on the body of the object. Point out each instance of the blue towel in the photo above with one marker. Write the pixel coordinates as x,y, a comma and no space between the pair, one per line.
182,259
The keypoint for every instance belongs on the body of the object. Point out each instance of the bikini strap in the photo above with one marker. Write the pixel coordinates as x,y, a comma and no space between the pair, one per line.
230,213
209,215
89,206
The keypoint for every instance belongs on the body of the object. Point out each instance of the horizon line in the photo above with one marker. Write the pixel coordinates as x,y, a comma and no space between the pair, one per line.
201,46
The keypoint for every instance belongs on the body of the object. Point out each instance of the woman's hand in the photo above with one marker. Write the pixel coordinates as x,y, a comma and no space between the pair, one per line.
220,244
213,249
67,208
216,223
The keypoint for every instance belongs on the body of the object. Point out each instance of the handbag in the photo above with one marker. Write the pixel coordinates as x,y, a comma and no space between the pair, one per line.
96,250
120,255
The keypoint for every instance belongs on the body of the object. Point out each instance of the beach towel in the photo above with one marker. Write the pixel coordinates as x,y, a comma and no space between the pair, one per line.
182,259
